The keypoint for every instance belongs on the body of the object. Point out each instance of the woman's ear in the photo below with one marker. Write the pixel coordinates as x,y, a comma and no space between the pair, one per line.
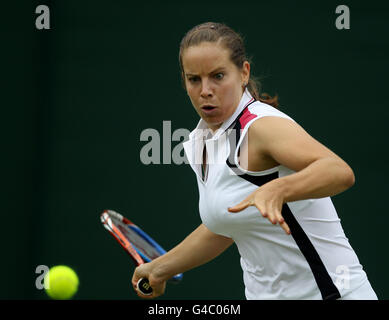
246,72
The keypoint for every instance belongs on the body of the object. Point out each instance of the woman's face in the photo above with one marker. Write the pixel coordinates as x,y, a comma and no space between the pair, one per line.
213,82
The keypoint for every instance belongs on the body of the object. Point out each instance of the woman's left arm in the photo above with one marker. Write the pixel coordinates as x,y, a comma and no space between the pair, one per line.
319,172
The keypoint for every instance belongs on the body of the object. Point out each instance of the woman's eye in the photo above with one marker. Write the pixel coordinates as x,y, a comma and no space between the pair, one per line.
193,79
219,76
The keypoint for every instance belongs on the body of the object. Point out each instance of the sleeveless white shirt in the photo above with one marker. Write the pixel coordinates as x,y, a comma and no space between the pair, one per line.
315,262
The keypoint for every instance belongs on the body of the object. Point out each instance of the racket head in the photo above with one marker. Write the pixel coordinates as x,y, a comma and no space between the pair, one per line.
109,222
146,248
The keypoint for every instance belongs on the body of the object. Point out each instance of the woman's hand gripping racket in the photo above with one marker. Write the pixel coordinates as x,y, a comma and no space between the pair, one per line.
137,243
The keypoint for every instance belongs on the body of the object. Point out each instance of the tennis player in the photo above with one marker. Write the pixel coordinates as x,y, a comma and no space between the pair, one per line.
265,184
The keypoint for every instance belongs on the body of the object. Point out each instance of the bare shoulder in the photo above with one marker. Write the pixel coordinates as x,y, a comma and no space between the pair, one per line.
285,141
256,154
270,125
272,129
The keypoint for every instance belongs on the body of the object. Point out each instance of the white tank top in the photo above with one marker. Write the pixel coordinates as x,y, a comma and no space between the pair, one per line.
315,262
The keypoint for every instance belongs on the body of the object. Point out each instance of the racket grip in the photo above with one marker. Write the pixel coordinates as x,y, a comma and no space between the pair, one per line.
144,287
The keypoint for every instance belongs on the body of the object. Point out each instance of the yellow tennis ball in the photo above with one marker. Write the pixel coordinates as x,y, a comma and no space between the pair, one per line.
61,282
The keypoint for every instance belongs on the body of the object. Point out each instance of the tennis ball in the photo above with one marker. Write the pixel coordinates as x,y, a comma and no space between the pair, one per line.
61,282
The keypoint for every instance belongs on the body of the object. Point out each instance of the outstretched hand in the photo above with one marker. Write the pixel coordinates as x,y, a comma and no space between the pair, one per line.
268,202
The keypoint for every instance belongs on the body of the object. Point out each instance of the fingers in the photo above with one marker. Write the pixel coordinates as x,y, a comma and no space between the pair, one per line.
158,290
138,274
285,227
241,206
135,278
140,294
269,211
158,286
275,216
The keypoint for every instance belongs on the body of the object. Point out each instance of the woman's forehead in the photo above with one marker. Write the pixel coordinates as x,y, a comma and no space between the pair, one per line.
205,56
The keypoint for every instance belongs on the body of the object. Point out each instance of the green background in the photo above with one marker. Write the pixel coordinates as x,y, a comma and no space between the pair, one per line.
76,98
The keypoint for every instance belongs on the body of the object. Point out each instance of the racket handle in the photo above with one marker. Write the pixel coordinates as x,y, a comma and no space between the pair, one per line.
144,287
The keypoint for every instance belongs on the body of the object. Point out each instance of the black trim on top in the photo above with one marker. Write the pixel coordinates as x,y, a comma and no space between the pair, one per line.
235,128
323,280
327,288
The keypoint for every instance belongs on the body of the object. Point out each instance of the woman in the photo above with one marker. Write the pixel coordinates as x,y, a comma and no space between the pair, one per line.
264,184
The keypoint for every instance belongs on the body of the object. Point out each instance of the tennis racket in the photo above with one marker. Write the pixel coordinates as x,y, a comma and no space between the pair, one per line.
137,243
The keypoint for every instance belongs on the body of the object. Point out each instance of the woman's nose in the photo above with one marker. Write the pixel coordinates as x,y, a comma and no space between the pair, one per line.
206,90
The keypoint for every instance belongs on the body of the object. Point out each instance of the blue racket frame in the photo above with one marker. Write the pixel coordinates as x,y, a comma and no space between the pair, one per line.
151,241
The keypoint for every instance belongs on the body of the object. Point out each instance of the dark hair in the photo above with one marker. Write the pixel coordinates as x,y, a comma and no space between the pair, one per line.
218,32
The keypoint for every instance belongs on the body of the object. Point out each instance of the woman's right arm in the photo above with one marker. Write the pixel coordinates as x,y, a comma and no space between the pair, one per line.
201,246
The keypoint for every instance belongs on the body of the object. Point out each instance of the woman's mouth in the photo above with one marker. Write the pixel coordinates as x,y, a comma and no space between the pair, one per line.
208,108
